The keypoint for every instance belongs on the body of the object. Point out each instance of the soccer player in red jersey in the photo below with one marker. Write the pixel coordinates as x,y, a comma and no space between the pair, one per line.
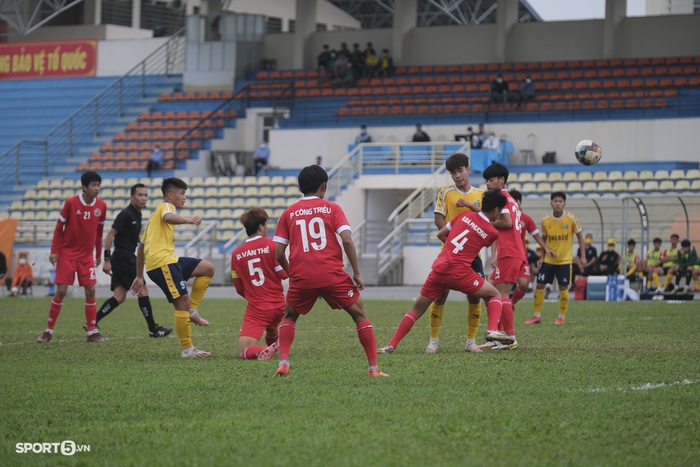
510,257
464,236
315,265
527,225
258,276
76,249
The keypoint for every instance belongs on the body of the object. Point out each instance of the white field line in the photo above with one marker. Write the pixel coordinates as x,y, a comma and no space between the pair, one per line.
644,387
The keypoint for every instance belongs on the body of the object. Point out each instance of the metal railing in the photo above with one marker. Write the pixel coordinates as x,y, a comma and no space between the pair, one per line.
204,242
390,250
227,250
84,124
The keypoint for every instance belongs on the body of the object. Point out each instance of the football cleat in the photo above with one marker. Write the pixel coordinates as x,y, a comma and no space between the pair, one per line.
95,337
160,331
498,336
534,320
659,290
684,289
194,353
673,288
44,337
268,352
387,349
196,319
85,328
512,346
282,370
433,345
472,347
559,321
376,373
488,345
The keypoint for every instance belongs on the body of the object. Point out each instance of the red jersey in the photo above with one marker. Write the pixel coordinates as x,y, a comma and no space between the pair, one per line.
510,241
78,233
315,255
527,225
469,233
255,264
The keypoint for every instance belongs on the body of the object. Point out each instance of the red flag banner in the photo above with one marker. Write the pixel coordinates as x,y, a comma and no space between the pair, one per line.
54,59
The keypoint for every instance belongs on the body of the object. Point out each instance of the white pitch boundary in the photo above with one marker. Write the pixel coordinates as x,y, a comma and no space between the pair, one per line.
645,387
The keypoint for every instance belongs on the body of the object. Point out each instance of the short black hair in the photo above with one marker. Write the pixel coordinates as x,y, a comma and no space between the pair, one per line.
558,194
88,177
363,126
135,187
496,170
493,199
517,196
657,240
675,235
631,241
685,243
311,178
171,184
455,161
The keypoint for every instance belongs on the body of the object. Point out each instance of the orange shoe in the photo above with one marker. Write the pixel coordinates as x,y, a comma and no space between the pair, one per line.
376,373
283,369
534,320
559,321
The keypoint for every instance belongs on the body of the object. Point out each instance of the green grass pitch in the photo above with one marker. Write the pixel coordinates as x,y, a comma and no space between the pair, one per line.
619,384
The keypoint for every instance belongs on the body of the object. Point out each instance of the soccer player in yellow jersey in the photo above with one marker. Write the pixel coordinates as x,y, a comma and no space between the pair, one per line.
651,267
669,262
558,230
169,272
452,201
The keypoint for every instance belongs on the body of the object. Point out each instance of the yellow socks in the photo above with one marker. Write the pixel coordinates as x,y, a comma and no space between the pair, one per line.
539,300
199,288
183,328
435,320
669,279
473,320
563,302
657,281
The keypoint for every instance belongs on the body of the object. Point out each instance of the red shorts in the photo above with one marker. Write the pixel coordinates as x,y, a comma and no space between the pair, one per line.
437,283
66,270
255,321
341,295
507,270
525,271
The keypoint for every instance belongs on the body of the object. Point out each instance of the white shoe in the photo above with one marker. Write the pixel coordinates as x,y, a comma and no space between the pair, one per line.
472,347
433,345
512,346
386,350
674,288
196,319
498,336
488,345
194,353
684,289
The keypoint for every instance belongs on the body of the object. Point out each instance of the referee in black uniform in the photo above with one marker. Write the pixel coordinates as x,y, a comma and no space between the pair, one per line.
121,263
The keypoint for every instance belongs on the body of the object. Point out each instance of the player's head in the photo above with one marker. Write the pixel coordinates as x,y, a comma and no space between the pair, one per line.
631,244
255,222
674,240
657,243
516,195
611,244
139,195
458,166
589,239
558,202
685,246
313,180
496,176
174,191
493,203
91,181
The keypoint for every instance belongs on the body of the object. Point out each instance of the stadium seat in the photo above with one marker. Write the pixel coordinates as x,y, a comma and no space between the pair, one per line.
569,176
667,185
211,203
554,177
661,175
682,185
692,174
695,185
197,203
265,191
539,177
635,186
514,186
529,187
238,191
630,175
238,203
573,187
651,185
645,175
585,176
620,186
525,177
600,176
589,187
557,186
604,186
281,202
676,175
614,175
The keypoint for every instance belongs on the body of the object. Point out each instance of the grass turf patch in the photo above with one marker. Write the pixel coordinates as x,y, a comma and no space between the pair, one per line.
617,384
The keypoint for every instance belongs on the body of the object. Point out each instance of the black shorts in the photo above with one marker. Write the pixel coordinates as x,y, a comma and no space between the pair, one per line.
666,268
123,269
478,266
172,278
548,271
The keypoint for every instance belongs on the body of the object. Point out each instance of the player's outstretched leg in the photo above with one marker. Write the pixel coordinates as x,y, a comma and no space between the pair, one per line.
409,319
365,333
203,274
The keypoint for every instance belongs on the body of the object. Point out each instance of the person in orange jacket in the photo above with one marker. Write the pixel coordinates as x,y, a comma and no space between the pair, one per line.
23,277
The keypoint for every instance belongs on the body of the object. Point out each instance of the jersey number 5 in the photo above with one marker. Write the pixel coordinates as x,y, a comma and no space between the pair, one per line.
315,230
256,272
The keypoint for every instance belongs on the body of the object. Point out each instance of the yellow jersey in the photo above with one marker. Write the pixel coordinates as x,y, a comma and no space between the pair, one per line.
559,233
159,239
447,201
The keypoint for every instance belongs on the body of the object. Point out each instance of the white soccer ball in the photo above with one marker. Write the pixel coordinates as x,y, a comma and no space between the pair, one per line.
588,152
14,290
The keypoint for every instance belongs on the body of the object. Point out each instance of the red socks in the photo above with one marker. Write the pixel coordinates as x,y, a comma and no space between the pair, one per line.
286,337
251,353
90,313
507,318
517,296
365,332
494,309
271,337
407,322
54,311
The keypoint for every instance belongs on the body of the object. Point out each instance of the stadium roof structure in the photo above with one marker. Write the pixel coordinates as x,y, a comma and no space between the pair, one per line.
375,14
24,16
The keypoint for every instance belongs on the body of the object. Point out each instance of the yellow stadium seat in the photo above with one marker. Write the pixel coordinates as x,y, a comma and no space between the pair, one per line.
238,203
279,202
695,185
251,202
30,194
197,203
236,181
513,177
223,181
225,202
211,214
121,193
227,222
265,202
279,191
41,205
225,191
17,205
55,184
514,186
211,192
238,191
539,177
293,190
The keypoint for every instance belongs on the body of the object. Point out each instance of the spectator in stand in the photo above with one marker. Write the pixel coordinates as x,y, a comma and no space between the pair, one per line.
499,89
348,79
591,258
371,63
319,161
491,142
482,133
357,57
23,277
261,157
420,136
526,91
340,66
368,49
156,160
344,49
608,261
386,64
363,137
323,60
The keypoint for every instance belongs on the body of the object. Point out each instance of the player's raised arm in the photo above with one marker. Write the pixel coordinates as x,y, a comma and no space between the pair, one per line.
176,219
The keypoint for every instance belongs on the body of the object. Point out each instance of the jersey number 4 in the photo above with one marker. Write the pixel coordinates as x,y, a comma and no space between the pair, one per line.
459,241
314,230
